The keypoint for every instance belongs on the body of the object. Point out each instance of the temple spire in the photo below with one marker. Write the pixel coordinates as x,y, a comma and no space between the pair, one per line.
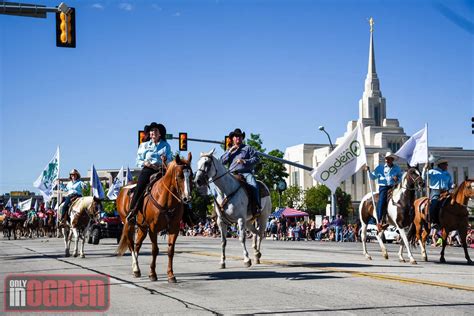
372,81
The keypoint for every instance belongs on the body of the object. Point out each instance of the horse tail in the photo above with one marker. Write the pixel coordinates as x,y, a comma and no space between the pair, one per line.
411,234
123,245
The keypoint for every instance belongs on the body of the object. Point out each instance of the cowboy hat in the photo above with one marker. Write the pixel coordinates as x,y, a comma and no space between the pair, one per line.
441,161
74,171
390,155
237,132
161,128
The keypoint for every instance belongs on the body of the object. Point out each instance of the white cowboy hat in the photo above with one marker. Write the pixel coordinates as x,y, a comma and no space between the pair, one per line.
390,155
441,161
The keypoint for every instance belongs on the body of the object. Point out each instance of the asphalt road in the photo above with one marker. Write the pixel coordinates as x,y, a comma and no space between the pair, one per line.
305,277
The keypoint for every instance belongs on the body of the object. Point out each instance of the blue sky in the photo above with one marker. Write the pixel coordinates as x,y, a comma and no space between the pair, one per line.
276,68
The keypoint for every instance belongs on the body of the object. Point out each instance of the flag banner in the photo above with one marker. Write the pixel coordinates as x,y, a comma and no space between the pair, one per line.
415,149
25,205
115,187
9,204
343,161
50,174
129,176
96,187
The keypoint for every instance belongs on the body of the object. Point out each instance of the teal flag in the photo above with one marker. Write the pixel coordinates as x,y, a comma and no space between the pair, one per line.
46,179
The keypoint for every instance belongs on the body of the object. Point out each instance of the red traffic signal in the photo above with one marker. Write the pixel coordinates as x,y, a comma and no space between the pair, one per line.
183,141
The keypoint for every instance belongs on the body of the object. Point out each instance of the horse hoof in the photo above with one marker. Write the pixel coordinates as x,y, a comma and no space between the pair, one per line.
385,257
400,260
137,274
75,255
152,277
258,255
257,260
172,280
222,266
83,256
248,264
442,260
413,262
469,262
425,259
67,255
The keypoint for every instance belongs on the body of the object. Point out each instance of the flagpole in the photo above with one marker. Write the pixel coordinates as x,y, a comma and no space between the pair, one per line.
368,177
427,162
59,181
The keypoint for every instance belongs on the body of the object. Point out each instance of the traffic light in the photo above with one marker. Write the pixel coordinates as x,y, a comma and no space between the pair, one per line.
227,143
66,29
141,137
183,141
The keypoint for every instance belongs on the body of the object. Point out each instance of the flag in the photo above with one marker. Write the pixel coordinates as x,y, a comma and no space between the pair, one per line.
96,187
129,176
9,205
46,179
36,205
343,162
415,149
25,205
115,187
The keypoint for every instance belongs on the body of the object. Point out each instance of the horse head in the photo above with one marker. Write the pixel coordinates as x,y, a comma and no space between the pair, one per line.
464,192
180,170
206,168
413,178
94,209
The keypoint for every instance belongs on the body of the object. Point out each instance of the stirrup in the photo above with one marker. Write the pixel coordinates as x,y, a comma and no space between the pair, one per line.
131,218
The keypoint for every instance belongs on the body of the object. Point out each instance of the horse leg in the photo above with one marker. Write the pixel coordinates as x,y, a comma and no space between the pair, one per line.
154,252
444,236
223,229
67,241
463,236
172,236
76,241
83,241
382,246
141,235
363,237
424,236
242,237
405,242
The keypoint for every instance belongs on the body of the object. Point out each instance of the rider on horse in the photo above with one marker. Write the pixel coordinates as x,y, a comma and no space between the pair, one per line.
387,175
150,156
74,190
440,182
242,160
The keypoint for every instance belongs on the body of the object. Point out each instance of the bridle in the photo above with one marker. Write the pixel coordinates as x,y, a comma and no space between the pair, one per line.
209,179
416,186
178,195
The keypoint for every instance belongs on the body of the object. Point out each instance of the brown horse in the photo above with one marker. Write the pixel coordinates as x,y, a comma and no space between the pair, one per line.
453,216
162,209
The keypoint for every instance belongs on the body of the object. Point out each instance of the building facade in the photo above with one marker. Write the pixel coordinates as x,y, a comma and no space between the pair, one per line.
381,134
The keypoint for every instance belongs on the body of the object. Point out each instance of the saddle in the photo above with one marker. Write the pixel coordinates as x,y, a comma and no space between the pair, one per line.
262,190
131,189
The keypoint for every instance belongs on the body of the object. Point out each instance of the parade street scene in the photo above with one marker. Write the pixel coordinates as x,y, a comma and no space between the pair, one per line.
237,157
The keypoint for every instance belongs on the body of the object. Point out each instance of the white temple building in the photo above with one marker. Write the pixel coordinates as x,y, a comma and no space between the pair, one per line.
381,134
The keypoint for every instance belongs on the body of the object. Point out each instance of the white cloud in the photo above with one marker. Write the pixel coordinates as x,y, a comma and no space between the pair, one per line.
126,6
98,6
177,14
156,7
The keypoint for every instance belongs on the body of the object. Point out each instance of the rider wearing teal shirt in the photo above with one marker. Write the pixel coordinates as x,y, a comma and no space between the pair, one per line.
74,189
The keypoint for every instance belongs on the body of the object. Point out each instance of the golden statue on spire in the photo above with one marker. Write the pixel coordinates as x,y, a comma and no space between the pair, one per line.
371,23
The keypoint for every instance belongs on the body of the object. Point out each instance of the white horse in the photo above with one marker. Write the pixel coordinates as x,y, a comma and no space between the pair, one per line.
400,205
231,205
82,211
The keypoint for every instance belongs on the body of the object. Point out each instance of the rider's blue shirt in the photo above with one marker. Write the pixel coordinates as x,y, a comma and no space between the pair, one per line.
244,152
439,179
151,152
75,187
384,174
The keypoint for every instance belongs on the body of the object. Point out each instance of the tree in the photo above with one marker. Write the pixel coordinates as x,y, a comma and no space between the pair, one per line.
316,199
200,203
293,197
343,201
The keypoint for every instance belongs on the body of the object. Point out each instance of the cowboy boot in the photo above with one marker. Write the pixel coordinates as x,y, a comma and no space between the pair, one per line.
132,216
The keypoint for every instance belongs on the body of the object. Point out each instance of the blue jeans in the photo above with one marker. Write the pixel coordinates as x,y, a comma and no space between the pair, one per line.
382,204
250,179
338,233
67,202
434,205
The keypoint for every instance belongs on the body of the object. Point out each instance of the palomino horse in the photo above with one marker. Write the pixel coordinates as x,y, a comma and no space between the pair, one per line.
231,205
453,216
82,212
400,204
162,209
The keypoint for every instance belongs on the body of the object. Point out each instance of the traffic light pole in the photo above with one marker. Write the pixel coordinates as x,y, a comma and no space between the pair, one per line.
30,10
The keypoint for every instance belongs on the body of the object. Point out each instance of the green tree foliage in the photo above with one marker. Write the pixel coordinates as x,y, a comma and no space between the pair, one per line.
343,202
316,199
200,203
293,197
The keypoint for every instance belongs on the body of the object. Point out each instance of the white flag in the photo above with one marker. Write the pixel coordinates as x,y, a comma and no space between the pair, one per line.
45,181
343,162
115,187
96,187
415,149
9,204
25,205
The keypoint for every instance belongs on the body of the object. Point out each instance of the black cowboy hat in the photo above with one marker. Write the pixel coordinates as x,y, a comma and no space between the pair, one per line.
237,132
146,129
160,127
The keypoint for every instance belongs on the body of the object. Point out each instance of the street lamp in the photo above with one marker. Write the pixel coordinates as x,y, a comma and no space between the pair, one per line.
333,196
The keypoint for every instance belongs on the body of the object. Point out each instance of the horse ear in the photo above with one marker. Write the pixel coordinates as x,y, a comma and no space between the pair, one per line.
212,151
190,157
177,159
